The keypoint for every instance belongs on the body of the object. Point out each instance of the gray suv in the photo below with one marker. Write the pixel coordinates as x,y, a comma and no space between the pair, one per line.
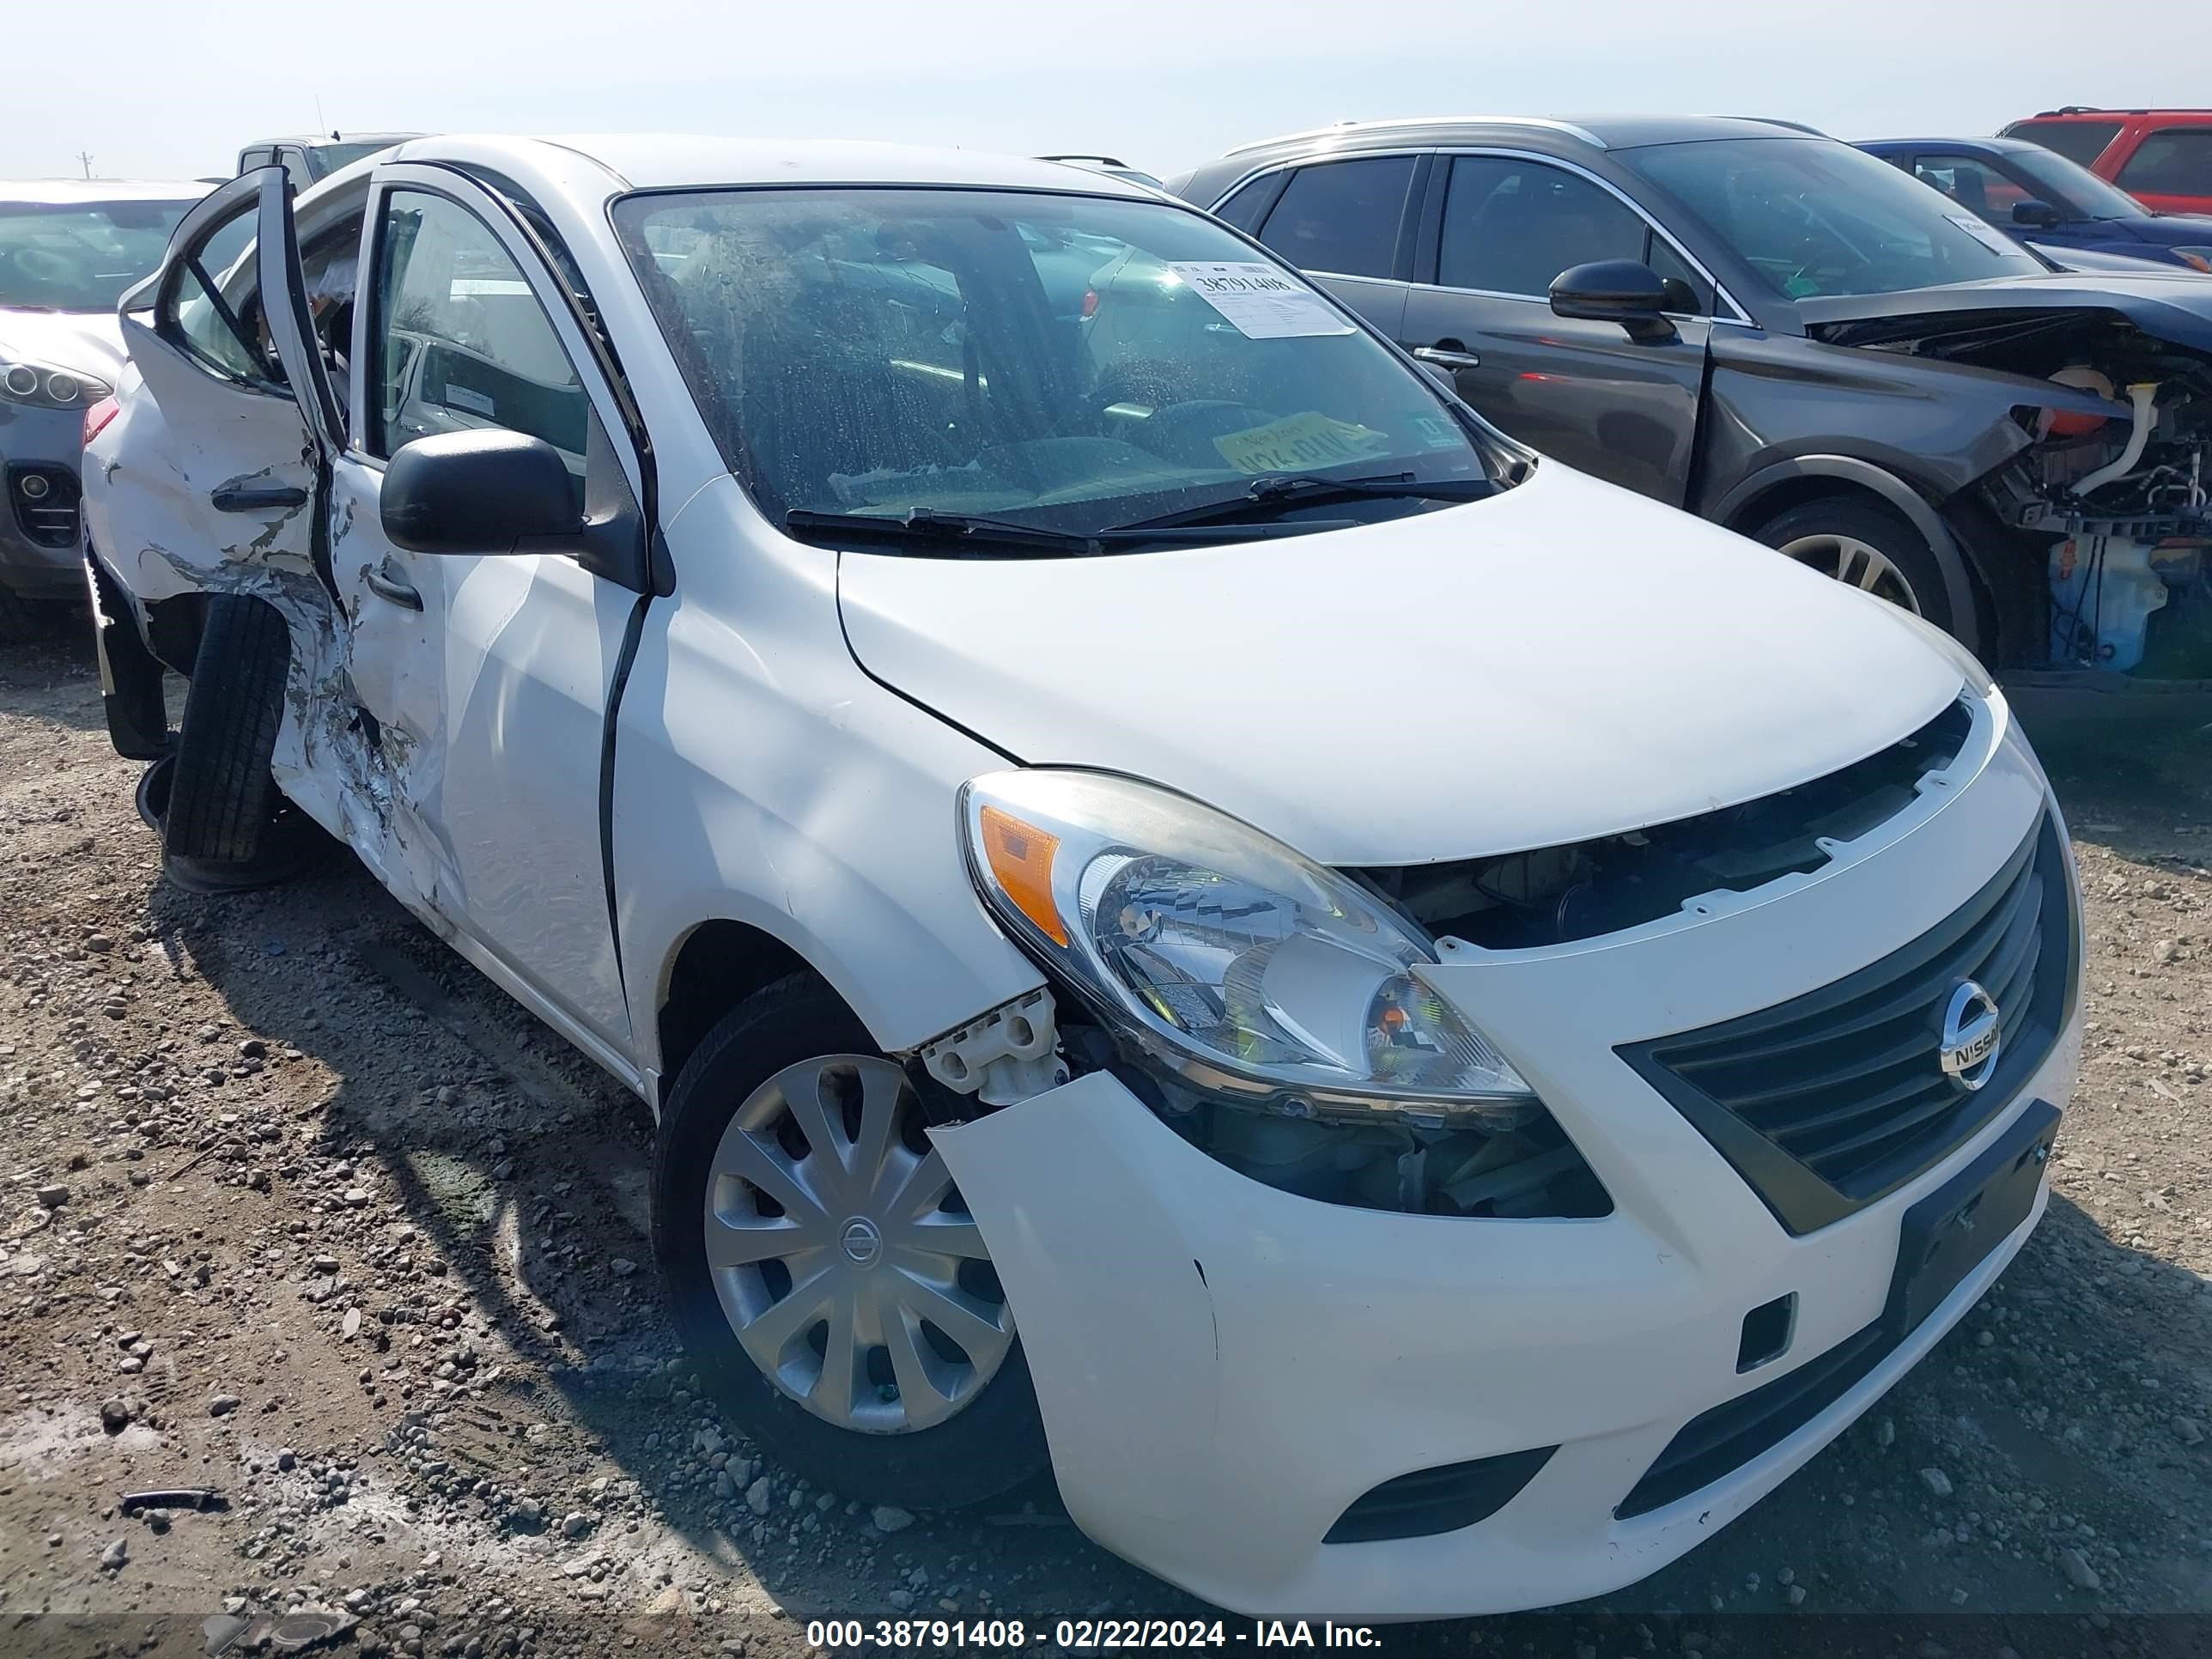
1778,333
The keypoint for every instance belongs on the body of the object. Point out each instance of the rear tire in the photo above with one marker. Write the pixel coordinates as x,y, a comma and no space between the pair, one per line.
1870,543
221,797
991,1442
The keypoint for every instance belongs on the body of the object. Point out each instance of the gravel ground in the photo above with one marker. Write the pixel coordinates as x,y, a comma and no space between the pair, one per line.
295,1207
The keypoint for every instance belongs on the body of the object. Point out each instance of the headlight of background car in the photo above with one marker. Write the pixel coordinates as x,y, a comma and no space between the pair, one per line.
1226,955
44,387
2198,257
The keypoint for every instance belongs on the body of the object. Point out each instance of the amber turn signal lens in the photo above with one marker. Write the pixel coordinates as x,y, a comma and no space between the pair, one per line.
1020,857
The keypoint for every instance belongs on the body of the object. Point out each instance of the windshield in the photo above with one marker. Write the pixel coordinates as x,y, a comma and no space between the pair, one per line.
329,158
1049,360
2071,187
80,256
1813,216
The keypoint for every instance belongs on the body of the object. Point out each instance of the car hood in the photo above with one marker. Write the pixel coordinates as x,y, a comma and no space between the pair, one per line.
1565,660
2169,229
2168,302
82,342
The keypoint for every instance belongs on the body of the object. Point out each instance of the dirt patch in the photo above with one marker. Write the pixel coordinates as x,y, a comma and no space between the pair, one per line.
350,1239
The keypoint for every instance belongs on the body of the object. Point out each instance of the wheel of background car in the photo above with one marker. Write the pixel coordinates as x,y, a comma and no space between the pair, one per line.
1870,544
221,797
821,1271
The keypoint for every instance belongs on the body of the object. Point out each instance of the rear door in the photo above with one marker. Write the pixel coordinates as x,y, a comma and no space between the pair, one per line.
2169,170
1346,225
243,462
1582,392
224,492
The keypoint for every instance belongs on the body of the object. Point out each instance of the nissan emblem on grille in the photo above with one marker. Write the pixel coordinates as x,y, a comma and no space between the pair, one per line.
1971,1037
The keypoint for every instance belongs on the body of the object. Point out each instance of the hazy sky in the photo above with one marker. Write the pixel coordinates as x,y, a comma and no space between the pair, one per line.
161,90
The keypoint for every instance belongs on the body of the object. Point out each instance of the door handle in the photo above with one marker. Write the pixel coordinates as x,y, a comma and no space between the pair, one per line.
1443,359
265,498
386,585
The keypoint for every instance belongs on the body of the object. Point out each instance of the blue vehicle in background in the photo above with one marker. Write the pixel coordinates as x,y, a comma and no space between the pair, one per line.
2038,196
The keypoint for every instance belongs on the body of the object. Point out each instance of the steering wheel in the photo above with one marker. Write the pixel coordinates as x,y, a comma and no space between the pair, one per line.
45,267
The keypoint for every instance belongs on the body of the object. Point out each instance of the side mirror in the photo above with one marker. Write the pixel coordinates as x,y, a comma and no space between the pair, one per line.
1623,291
484,491
2039,214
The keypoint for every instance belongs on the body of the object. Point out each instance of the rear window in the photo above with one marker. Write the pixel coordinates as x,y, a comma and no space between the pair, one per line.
2077,141
1343,216
2175,162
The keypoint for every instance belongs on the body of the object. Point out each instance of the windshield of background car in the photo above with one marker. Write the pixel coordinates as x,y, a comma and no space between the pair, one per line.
2069,185
80,256
1045,357
1815,217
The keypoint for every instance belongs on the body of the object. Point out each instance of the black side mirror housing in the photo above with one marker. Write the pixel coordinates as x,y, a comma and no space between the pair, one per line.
2039,214
1623,291
486,490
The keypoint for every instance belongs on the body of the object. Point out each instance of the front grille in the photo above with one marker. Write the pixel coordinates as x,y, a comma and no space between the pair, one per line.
1828,1101
1718,1441
50,519
1442,1499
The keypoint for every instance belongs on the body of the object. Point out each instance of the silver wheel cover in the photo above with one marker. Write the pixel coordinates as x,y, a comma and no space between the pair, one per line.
1860,563
841,1256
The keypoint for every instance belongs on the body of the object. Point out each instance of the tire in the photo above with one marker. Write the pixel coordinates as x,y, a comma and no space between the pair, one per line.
989,1442
1833,533
221,797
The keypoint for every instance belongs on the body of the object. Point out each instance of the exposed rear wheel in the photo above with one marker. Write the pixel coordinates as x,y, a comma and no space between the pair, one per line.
822,1270
1875,548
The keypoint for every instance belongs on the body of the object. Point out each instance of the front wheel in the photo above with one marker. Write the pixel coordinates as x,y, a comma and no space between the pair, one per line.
822,1270
1875,548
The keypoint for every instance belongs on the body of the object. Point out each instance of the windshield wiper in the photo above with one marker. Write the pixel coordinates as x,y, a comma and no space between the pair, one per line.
970,532
1297,488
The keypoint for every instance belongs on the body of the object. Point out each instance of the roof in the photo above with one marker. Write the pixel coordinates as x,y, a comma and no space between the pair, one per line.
1597,131
675,160
2100,109
312,140
2001,146
59,191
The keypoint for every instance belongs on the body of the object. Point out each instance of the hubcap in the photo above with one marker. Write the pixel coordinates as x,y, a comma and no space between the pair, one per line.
848,1267
1860,563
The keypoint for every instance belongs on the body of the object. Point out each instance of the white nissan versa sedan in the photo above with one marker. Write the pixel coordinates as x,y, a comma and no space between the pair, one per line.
1424,1029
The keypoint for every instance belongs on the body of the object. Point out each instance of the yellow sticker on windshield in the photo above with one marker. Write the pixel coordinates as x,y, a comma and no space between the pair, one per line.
1299,442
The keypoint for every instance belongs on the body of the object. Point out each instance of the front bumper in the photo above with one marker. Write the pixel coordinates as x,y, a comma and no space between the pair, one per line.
37,551
1223,1368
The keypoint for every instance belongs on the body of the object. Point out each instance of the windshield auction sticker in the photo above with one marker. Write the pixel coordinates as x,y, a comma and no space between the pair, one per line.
1297,443
1988,235
1260,301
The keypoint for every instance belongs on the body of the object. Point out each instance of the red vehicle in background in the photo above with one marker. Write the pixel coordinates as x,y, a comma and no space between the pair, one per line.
2162,157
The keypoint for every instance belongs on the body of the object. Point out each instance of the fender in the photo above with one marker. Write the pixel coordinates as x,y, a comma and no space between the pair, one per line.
1849,469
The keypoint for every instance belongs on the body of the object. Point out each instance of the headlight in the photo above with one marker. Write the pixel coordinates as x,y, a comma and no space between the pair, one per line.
2198,257
44,387
1226,956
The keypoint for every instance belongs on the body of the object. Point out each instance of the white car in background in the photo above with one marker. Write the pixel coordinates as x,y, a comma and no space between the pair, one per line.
69,249
1425,1028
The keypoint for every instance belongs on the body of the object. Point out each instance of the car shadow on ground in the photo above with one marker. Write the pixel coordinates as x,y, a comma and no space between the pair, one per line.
520,1168
45,678
522,1171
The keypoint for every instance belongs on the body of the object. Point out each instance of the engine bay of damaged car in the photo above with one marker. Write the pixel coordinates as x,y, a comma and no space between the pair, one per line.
2113,510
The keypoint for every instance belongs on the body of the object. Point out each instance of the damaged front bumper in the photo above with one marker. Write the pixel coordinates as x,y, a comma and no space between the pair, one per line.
1225,1370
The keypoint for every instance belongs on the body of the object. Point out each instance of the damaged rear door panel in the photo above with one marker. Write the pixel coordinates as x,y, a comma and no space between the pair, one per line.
234,501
